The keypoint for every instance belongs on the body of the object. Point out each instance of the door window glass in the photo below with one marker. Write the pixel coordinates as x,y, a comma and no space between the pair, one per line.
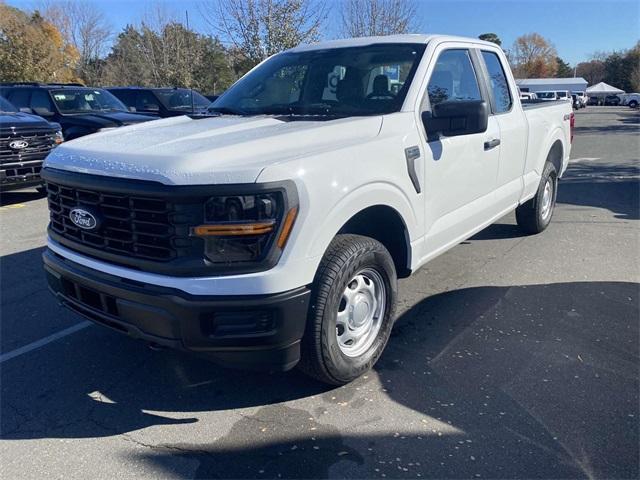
147,101
453,78
40,100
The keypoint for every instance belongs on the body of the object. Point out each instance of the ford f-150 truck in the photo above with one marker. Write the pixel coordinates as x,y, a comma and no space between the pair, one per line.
271,232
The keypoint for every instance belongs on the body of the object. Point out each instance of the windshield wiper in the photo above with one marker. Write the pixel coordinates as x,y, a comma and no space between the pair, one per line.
226,111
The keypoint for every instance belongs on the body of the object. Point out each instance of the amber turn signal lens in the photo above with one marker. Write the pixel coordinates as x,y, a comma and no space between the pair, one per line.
233,229
287,226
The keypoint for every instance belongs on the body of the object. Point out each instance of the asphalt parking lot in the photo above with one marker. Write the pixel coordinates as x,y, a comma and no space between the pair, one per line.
512,357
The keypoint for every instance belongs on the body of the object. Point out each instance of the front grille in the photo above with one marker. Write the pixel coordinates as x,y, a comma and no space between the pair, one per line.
39,145
134,226
24,164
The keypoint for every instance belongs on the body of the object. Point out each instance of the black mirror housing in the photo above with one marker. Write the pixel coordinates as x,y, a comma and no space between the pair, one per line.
456,118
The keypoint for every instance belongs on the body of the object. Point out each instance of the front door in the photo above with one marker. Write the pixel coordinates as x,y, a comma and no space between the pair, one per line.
461,171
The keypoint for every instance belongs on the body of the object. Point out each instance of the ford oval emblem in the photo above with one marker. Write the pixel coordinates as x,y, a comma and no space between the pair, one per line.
83,219
18,144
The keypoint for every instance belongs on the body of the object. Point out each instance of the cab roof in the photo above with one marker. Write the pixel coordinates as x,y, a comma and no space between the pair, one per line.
406,38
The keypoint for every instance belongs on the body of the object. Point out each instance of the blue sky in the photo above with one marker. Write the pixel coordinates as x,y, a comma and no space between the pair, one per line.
576,27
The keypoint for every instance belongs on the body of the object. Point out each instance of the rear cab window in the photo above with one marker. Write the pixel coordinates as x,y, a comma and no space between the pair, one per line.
497,82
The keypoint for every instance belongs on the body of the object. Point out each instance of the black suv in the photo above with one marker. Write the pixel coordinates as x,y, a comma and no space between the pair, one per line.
25,140
78,109
163,102
612,100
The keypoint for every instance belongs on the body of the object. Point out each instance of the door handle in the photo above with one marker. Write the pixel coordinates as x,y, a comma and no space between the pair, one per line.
488,145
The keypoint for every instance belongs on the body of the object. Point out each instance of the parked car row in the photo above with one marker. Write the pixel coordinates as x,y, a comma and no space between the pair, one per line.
581,100
35,117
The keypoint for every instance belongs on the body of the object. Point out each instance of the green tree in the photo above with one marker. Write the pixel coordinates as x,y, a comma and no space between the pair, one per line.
620,66
168,55
32,49
490,37
563,69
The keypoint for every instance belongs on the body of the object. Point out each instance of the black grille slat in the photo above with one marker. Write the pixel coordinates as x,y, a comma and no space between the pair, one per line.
132,226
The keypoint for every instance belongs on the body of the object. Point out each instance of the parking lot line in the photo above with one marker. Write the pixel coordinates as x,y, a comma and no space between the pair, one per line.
43,341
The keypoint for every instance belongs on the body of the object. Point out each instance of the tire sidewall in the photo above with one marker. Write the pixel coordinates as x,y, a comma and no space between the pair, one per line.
549,173
342,367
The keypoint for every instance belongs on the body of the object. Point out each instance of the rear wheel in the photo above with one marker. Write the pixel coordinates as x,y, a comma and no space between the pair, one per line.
352,307
535,215
633,104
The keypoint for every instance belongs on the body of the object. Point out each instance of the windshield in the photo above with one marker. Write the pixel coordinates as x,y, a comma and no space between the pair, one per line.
6,106
80,100
368,80
546,94
180,99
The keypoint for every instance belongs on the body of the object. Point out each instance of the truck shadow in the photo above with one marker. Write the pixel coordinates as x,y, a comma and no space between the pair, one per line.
504,388
501,376
19,196
614,187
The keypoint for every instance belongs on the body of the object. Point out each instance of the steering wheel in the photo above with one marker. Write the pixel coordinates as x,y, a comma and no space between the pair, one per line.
380,96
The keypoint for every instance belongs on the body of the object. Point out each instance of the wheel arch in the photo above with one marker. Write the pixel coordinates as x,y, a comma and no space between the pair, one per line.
556,155
384,224
379,211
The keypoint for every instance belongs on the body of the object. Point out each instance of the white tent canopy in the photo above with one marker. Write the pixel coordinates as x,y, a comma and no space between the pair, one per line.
603,89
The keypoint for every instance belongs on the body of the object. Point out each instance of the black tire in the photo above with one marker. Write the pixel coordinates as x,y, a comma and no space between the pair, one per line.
531,216
322,357
633,104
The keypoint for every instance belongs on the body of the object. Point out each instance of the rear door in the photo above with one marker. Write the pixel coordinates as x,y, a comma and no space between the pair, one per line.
513,128
460,171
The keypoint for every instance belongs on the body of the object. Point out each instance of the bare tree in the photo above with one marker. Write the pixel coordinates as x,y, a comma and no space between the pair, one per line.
261,28
86,28
365,18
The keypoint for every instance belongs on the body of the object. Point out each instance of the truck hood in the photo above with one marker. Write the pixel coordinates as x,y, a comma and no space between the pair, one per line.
225,149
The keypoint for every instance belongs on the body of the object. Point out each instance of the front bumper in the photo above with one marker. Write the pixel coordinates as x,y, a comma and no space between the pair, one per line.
260,332
15,182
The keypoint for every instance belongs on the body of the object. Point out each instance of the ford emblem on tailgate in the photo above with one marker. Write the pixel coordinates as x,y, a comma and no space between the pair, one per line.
83,219
18,144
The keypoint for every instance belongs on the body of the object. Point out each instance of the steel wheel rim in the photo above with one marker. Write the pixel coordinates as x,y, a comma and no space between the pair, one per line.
360,312
547,199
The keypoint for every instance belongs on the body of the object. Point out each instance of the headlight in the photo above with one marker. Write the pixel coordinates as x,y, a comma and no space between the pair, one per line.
246,228
58,138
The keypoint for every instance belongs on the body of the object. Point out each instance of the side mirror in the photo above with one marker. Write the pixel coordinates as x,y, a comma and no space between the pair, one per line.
43,112
132,109
456,118
26,110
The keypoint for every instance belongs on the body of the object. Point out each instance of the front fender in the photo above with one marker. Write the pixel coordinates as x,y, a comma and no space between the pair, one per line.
354,202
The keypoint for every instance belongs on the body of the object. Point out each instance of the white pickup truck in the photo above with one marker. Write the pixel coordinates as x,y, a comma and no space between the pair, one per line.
271,232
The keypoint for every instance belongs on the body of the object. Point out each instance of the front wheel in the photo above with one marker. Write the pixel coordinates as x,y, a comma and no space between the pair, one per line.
633,104
352,310
534,215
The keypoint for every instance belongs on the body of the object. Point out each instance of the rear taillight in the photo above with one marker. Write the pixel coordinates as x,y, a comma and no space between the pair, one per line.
572,123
